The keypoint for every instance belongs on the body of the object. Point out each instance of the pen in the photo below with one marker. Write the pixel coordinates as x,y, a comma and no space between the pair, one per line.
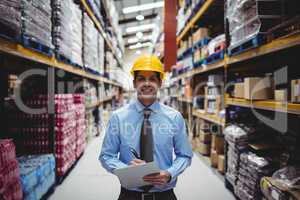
133,151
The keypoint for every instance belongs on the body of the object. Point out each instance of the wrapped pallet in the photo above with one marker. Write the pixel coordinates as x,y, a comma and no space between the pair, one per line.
76,34
36,21
63,27
90,44
10,18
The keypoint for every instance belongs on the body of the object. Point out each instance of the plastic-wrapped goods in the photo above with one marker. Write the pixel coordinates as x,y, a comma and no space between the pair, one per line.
90,44
31,132
237,139
63,27
77,34
10,18
252,169
216,44
35,170
288,176
36,21
80,125
101,53
10,185
248,18
95,5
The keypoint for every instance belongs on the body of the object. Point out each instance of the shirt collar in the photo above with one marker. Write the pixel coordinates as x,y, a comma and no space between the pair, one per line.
140,107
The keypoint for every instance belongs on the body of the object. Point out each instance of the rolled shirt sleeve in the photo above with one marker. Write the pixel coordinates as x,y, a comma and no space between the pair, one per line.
182,149
111,146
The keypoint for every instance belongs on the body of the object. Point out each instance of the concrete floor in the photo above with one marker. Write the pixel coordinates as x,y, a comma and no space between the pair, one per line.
89,181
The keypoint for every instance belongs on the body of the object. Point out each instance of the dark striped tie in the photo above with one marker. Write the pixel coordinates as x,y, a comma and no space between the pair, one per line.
146,142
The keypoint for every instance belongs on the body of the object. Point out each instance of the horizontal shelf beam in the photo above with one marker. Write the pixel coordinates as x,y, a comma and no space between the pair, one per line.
265,105
272,47
208,117
186,100
18,50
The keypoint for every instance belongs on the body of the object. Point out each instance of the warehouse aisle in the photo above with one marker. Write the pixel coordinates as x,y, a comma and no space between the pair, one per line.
90,181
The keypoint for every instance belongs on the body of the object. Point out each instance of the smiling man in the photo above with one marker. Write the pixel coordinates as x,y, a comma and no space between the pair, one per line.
145,131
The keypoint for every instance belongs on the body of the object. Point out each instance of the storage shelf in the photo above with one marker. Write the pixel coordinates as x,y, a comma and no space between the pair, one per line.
200,70
208,117
265,105
99,103
276,45
22,52
101,29
196,18
184,99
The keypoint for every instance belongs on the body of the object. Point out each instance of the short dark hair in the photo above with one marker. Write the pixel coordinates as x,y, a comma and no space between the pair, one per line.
136,73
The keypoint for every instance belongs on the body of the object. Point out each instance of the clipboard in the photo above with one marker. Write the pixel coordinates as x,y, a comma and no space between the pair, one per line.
132,176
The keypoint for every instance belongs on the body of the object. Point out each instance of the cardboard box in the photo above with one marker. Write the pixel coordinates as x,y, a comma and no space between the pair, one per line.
204,149
214,158
218,144
200,34
295,90
239,91
281,95
205,137
258,88
221,164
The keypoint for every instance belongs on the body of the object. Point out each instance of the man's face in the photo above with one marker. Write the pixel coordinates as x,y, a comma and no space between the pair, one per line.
147,84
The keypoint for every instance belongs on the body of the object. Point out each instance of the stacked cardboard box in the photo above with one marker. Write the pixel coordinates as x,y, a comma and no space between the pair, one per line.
204,143
217,153
10,185
37,175
295,88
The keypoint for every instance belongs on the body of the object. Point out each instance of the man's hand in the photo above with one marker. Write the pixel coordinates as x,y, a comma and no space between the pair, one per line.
137,162
160,179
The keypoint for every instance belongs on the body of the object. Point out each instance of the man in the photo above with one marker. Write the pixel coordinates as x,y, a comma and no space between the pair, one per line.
150,131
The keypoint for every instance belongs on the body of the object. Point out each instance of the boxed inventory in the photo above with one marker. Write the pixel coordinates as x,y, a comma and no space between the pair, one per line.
200,34
218,144
281,95
205,137
214,158
258,88
239,91
221,164
295,87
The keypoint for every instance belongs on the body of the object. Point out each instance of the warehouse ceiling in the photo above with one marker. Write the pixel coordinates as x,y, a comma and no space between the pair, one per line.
131,16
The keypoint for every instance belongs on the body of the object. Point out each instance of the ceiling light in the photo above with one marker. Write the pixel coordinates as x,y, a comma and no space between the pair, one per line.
138,52
142,7
140,45
136,39
139,34
140,17
140,28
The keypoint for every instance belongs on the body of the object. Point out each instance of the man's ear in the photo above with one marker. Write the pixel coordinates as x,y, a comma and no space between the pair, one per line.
134,85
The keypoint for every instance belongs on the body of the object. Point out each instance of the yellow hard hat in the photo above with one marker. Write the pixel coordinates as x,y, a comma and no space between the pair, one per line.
148,63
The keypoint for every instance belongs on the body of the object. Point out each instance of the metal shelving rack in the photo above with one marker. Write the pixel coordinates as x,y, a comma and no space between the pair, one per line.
276,46
12,53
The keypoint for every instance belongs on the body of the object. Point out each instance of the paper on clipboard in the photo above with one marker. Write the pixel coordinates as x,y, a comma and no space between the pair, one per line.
132,176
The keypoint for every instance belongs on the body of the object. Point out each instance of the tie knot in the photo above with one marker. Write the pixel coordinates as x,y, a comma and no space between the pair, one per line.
147,112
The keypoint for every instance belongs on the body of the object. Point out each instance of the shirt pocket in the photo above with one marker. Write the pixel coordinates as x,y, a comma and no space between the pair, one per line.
163,140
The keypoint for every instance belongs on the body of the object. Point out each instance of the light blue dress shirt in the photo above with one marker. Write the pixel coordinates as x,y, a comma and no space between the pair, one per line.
169,137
